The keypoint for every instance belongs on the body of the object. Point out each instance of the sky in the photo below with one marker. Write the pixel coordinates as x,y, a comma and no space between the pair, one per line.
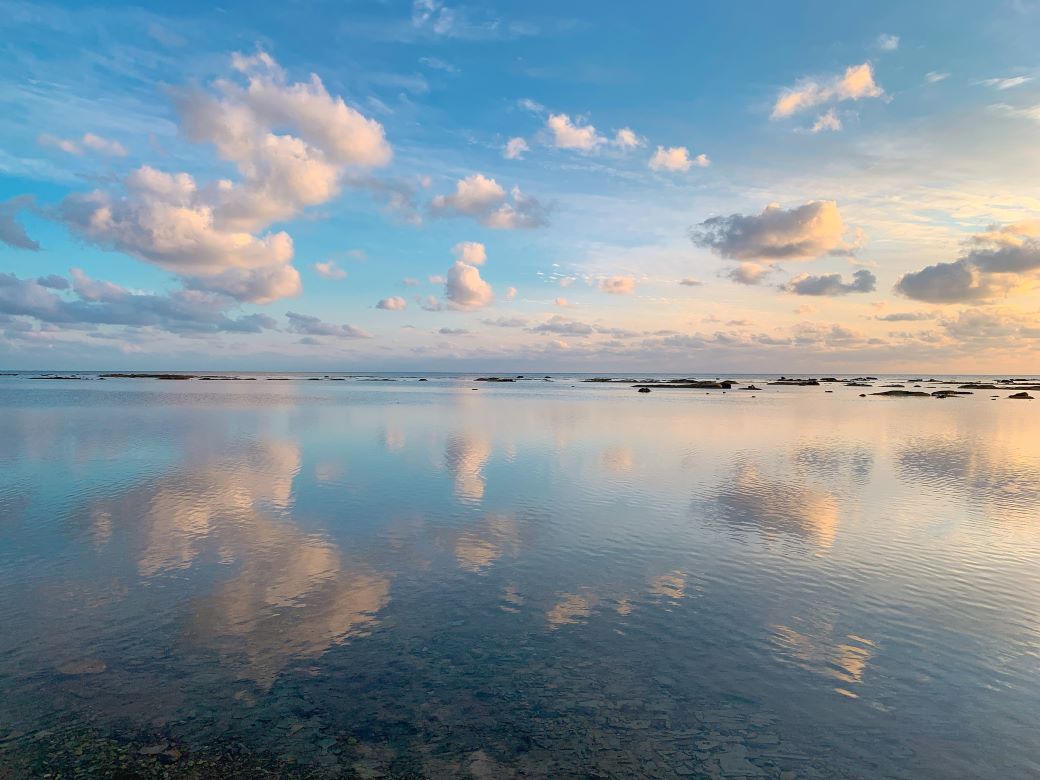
566,186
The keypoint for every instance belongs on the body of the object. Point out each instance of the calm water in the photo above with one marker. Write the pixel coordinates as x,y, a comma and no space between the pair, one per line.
543,579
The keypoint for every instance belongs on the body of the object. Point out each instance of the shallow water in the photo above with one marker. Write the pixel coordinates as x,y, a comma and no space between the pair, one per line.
551,579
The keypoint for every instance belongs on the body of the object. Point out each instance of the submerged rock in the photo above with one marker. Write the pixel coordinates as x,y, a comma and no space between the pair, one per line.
903,394
796,382
950,393
1021,396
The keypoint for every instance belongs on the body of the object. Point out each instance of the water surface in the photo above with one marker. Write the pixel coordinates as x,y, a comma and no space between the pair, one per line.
544,579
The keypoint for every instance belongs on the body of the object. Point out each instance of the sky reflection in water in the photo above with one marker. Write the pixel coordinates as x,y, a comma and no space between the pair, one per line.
532,577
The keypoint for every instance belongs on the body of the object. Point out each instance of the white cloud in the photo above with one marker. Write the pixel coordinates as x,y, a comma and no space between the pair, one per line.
510,293
484,199
465,289
515,148
562,302
568,135
626,138
935,76
887,42
255,285
827,121
618,285
1005,83
676,158
470,252
89,141
855,84
103,145
393,303
330,270
216,230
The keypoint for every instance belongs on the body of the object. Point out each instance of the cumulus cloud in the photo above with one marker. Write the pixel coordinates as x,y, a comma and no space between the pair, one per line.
97,303
464,288
394,303
515,148
471,252
308,325
255,285
330,270
943,283
676,158
11,231
993,261
626,138
562,302
749,273
510,293
217,229
618,285
863,281
856,83
800,233
484,199
567,134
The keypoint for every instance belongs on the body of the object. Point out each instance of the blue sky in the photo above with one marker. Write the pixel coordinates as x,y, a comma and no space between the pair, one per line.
589,186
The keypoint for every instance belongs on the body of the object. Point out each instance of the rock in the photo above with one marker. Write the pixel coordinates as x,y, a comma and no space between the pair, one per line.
494,379
83,667
1021,396
796,382
950,393
644,389
153,750
903,394
751,387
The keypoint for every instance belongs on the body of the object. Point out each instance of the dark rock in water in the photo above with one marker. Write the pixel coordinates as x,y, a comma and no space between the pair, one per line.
862,395
892,385
598,379
830,379
796,382
1021,396
857,384
148,376
903,394
422,380
644,389
696,384
950,393
494,379
751,387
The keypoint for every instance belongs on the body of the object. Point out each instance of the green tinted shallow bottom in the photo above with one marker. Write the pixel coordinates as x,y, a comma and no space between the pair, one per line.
561,579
